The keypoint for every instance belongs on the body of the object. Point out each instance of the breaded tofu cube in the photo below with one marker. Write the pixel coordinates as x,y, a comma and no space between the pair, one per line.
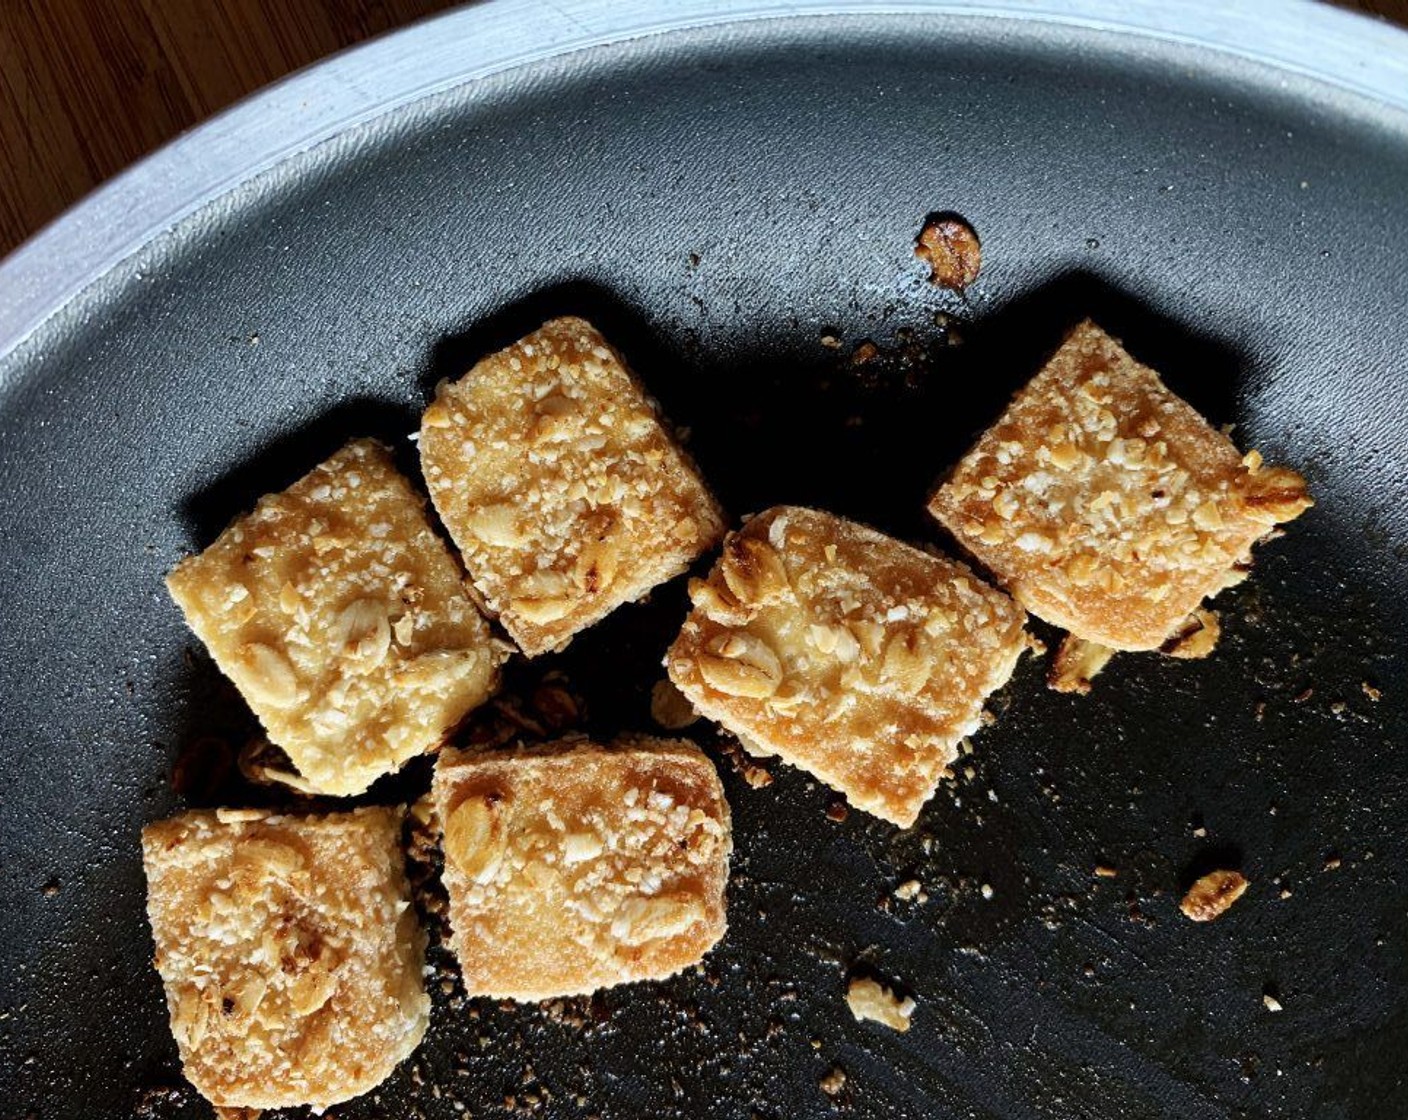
573,867
554,475
290,952
845,652
343,620
1106,504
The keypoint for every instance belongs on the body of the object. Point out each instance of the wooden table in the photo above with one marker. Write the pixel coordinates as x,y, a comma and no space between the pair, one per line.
87,86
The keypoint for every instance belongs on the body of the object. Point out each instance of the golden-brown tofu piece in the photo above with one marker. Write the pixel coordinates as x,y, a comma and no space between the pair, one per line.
573,866
856,657
563,491
290,952
1106,504
343,620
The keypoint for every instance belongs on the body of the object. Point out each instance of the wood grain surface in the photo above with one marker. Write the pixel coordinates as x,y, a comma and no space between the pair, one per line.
88,86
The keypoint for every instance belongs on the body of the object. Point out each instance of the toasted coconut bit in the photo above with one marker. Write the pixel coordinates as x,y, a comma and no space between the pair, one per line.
1076,664
869,999
950,247
1270,1002
833,1081
1211,895
1196,638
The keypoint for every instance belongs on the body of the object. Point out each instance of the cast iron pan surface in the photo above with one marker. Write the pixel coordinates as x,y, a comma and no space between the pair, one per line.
718,200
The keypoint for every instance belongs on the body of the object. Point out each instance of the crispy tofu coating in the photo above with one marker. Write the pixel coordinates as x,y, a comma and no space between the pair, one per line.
289,950
343,620
562,489
1106,504
573,866
845,652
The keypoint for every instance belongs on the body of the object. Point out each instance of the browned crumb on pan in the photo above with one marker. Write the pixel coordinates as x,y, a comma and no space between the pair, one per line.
872,1000
743,764
950,247
669,707
1076,664
1196,638
833,1081
1211,895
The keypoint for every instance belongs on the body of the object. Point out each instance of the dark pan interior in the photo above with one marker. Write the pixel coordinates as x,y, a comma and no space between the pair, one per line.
718,201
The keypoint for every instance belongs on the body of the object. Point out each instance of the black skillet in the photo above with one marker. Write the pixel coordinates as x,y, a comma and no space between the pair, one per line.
1227,190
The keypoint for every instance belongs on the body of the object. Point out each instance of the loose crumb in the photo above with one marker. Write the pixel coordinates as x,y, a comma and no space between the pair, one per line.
950,247
864,352
756,776
1211,895
669,707
1076,664
908,890
1371,692
869,999
837,811
1103,872
833,1081
986,891
1270,1002
1332,863
1196,638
